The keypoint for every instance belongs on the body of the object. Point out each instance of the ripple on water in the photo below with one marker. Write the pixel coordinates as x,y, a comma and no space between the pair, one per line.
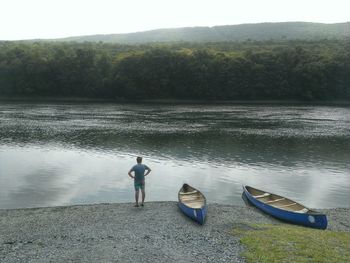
71,153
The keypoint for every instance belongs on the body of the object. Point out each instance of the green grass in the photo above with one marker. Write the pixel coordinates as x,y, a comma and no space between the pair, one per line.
285,243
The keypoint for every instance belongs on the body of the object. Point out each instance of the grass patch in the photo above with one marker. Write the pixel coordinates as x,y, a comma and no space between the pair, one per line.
285,243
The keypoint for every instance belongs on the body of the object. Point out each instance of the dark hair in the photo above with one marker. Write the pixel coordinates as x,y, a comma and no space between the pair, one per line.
139,159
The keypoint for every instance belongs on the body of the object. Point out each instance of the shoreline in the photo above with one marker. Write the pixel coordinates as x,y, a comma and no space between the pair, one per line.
119,232
175,101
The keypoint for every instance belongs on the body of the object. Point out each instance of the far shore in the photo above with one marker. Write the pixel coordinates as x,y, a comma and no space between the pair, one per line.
174,101
158,232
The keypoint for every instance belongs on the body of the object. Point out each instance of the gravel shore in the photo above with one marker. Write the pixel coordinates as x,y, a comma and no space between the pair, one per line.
158,232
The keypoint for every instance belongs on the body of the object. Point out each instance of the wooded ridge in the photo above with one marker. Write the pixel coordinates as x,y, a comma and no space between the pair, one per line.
247,70
260,32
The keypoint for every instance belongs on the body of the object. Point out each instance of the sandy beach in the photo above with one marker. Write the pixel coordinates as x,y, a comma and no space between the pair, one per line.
158,232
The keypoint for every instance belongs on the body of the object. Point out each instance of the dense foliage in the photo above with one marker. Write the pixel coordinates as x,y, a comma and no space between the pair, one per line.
285,70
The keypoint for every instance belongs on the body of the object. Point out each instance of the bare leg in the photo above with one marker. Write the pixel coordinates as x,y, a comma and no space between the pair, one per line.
143,192
137,197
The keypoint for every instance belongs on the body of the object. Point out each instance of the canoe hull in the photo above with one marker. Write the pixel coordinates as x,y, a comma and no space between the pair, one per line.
314,220
197,215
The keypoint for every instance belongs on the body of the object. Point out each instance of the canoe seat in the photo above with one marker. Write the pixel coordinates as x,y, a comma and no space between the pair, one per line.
302,211
260,196
196,202
191,198
188,193
279,206
272,201
195,205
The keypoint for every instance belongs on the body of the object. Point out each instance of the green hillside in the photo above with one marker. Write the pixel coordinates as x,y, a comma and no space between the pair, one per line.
298,70
259,32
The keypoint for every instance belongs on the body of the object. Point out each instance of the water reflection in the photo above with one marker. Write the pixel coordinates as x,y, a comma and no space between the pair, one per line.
57,154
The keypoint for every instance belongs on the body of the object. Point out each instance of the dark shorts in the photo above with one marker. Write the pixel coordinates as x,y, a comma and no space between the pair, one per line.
139,185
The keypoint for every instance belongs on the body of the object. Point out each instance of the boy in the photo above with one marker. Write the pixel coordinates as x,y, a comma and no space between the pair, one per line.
139,179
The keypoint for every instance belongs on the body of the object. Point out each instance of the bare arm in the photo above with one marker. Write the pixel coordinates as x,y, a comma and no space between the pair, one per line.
129,173
148,171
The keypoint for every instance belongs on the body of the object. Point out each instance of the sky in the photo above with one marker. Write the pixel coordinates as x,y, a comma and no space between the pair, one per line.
32,19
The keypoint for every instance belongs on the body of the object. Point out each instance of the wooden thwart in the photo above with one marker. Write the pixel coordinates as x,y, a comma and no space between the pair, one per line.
279,206
189,193
276,200
191,197
194,200
302,211
197,204
260,196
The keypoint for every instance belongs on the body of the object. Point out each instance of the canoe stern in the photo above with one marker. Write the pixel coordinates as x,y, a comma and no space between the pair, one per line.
197,215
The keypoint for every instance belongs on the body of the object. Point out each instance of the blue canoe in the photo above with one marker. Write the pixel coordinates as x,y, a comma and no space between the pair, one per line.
285,209
192,203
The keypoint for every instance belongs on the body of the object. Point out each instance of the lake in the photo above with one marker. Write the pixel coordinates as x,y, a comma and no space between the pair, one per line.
76,153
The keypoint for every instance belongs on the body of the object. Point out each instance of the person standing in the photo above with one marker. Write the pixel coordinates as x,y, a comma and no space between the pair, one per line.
139,179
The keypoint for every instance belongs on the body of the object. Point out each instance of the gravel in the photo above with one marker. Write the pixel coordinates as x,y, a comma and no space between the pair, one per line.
158,232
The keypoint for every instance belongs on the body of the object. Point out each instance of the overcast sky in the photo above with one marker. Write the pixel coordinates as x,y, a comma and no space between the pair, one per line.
28,19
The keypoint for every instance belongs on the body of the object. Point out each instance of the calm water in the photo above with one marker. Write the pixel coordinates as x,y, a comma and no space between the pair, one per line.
58,154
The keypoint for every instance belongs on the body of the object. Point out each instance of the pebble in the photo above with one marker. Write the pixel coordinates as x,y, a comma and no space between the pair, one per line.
158,232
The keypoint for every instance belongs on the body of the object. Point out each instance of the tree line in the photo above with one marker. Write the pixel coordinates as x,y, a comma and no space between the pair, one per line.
249,70
259,31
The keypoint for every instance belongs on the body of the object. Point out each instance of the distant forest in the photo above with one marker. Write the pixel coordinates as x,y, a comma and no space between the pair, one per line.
259,32
246,70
